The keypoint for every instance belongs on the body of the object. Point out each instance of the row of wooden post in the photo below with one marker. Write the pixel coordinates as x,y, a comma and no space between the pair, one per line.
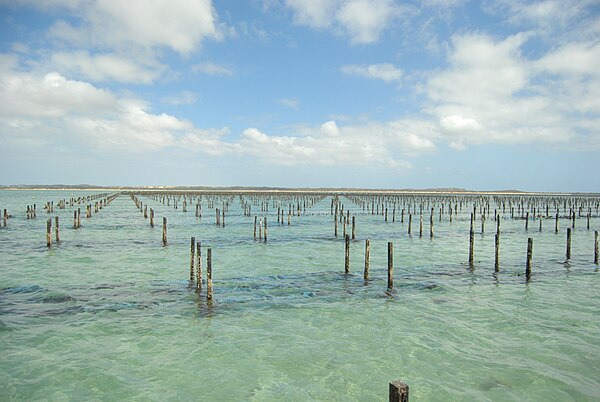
196,277
390,265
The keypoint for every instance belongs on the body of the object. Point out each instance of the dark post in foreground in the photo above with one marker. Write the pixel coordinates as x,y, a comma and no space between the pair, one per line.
164,232
398,392
529,254
367,255
568,243
209,284
390,265
347,255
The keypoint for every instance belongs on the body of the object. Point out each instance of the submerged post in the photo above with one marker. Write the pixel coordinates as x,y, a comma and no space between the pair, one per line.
471,243
199,267
595,247
398,392
367,255
347,255
568,243
529,254
265,229
390,265
164,232
56,229
192,250
209,285
497,253
49,232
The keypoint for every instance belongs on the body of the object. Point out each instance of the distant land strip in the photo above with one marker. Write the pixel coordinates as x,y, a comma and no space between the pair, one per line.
265,189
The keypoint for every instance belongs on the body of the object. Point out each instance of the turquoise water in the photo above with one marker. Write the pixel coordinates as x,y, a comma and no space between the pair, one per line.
107,314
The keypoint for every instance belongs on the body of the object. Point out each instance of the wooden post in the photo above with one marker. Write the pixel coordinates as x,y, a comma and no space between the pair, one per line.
265,229
529,254
471,243
49,232
164,232
74,219
556,224
398,392
56,229
568,243
527,220
409,223
209,285
223,222
497,253
151,218
255,218
421,226
347,255
595,247
390,265
78,217
367,255
199,267
192,250
431,224
353,228
335,230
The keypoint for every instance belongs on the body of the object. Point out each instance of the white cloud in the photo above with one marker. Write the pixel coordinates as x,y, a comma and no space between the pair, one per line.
181,98
291,103
39,109
362,21
374,144
491,93
210,68
180,25
386,72
51,95
106,67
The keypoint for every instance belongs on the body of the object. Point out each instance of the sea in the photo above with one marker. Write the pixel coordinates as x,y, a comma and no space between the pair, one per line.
109,313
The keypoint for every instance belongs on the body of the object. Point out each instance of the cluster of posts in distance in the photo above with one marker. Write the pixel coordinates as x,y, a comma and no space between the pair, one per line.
284,207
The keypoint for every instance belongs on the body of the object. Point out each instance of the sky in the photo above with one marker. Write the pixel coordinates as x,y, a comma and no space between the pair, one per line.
481,95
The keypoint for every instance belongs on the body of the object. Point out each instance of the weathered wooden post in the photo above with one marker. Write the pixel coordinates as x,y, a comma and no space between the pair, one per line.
497,253
74,219
353,228
255,219
367,256
421,226
209,284
568,243
164,231
471,243
151,218
198,267
78,217
49,232
223,222
265,229
431,224
556,224
192,251
595,247
347,255
409,223
390,265
398,392
529,254
527,220
56,229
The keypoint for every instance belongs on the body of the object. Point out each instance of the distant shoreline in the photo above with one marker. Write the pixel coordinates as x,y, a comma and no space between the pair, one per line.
283,190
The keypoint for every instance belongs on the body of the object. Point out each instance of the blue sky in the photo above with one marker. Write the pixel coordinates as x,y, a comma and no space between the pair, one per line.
301,93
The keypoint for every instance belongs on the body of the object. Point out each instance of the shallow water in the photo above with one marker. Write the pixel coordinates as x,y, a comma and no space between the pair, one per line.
107,314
